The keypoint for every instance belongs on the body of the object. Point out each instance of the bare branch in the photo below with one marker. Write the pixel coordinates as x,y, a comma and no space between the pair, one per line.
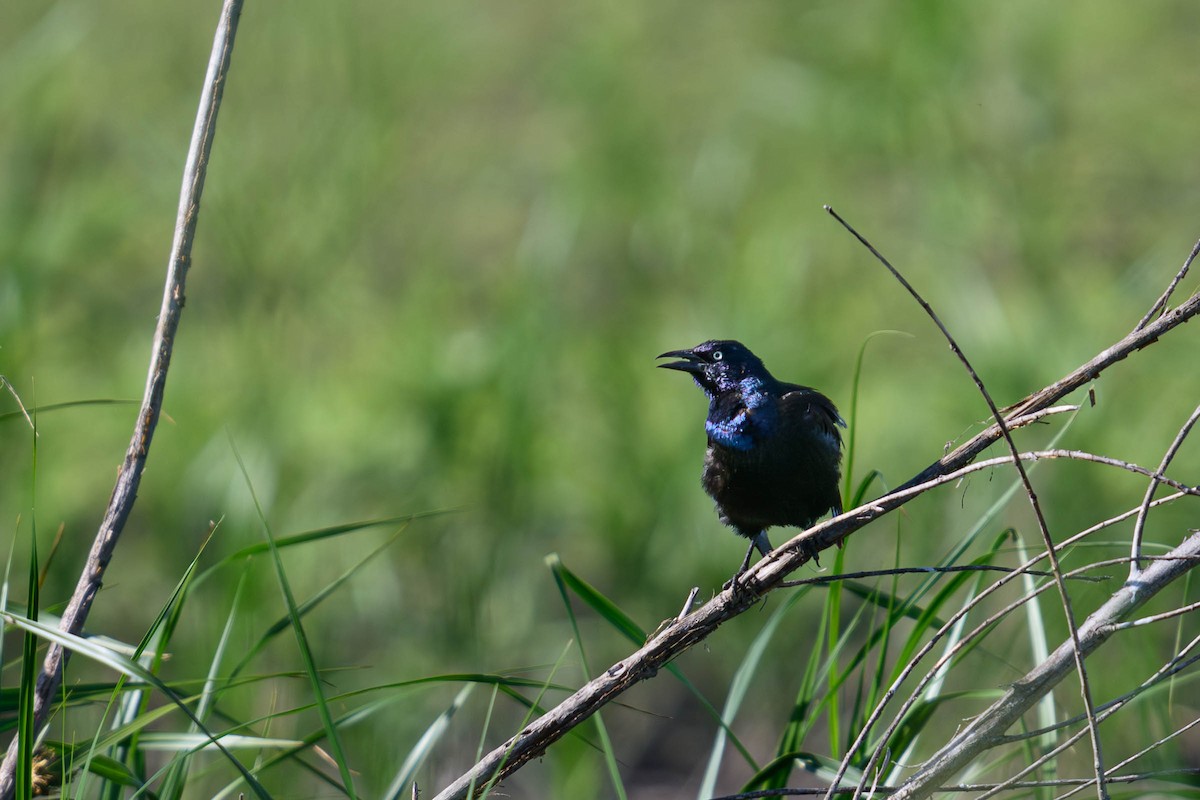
976,787
1140,526
822,580
1162,301
130,475
987,728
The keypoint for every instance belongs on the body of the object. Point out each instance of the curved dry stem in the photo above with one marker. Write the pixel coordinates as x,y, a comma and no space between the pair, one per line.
1043,528
987,729
130,475
1140,526
1165,298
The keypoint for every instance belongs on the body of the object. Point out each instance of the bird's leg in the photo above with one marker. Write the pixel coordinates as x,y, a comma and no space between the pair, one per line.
745,562
759,542
809,549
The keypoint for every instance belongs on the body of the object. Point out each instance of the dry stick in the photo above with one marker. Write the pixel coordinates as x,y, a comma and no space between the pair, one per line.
1175,734
822,580
961,645
987,728
677,637
928,647
1140,526
1109,709
125,492
1043,527
1161,302
1176,665
974,787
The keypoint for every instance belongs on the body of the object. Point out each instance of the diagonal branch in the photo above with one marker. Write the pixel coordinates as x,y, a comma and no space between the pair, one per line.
1043,528
988,728
130,476
688,630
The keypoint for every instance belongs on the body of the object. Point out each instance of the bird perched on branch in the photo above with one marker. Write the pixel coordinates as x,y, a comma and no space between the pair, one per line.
774,449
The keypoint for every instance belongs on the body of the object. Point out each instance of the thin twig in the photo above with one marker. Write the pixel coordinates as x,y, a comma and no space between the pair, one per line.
878,573
1167,671
985,730
1175,734
1162,301
687,604
1140,526
125,492
960,646
972,787
1103,714
1140,621
20,405
1043,527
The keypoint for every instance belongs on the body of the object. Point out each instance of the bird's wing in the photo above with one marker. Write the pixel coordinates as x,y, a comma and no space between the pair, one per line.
816,405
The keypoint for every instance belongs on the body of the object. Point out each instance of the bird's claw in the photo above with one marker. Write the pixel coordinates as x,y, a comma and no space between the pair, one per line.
738,586
810,550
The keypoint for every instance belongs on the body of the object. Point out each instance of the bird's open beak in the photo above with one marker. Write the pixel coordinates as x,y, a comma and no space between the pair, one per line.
691,362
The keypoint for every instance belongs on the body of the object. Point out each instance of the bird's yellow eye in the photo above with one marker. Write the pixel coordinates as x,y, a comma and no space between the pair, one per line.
717,355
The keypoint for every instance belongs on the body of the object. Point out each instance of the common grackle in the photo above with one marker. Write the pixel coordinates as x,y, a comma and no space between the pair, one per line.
774,450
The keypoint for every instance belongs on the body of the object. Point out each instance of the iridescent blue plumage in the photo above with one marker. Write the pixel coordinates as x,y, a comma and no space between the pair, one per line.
774,449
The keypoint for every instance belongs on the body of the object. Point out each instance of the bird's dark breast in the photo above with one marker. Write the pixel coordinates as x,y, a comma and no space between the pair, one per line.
792,480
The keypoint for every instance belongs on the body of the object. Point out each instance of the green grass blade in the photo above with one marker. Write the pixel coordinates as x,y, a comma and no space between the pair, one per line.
615,617
416,757
306,655
808,707
318,534
35,410
177,772
610,612
852,433
743,679
102,766
1046,709
285,622
607,609
491,784
130,669
26,735
824,768
135,702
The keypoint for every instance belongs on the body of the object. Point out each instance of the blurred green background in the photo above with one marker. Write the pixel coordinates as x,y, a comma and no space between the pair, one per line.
441,244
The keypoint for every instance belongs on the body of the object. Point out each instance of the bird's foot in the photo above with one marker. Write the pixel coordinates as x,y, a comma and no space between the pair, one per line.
739,584
810,549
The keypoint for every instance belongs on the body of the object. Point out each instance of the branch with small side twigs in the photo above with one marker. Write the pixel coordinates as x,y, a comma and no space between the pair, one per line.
1139,777
129,477
687,630
916,694
822,580
987,729
1105,711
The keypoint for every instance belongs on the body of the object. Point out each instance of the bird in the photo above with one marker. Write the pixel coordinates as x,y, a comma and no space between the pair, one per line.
774,449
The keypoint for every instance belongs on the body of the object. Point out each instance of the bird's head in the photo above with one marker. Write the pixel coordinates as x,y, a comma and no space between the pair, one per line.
719,366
